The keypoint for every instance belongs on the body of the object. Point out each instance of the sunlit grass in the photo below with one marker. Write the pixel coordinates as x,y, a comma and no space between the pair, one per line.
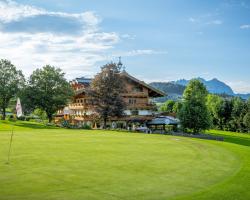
86,164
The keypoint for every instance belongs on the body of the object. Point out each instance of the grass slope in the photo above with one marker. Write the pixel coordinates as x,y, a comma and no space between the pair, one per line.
79,164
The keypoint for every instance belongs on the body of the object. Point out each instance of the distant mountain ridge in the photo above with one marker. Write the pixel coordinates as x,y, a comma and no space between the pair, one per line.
213,86
175,89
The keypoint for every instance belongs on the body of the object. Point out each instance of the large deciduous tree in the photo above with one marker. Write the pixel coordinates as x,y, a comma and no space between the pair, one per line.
177,107
48,90
214,105
168,106
194,114
11,81
106,89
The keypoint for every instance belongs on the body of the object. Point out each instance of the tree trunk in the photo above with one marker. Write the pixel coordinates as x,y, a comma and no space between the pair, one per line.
4,113
49,117
105,122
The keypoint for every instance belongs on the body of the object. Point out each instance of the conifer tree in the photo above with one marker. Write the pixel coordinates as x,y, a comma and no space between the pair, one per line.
106,90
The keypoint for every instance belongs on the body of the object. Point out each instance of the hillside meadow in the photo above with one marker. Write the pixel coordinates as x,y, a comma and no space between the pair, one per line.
54,163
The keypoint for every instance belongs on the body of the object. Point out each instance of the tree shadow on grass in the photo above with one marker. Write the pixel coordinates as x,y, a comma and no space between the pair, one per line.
234,139
237,140
29,125
35,126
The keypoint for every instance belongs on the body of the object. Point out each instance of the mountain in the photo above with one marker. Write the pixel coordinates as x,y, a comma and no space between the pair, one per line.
213,86
175,89
243,96
169,87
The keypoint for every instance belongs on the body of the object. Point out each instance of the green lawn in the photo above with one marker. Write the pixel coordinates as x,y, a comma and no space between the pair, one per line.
60,164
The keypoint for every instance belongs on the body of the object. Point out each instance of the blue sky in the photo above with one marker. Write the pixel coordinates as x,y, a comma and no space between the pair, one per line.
159,40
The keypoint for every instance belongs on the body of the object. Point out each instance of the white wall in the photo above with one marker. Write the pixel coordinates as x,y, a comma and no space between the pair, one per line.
140,112
127,112
145,112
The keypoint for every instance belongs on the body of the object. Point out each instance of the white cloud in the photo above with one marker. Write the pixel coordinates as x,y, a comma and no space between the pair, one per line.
72,54
207,19
138,52
245,26
239,86
193,20
75,54
128,36
236,4
12,11
215,22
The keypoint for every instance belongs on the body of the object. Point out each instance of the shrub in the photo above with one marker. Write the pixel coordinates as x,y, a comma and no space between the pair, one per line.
86,126
65,124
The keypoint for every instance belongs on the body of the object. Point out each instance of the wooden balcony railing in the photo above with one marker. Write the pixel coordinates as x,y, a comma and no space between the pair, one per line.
76,106
143,106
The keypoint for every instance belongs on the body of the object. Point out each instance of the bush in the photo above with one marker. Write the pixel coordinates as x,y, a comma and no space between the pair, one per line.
65,124
10,118
22,118
169,128
86,126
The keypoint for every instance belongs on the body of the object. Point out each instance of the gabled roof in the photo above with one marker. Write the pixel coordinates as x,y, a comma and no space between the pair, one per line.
153,92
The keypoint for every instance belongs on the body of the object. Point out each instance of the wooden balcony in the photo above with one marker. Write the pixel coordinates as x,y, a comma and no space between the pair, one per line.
79,106
141,106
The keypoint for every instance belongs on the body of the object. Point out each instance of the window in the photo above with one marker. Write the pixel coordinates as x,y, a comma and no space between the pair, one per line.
132,101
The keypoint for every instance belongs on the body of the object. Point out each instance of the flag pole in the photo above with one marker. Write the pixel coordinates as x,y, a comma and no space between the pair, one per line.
11,139
19,113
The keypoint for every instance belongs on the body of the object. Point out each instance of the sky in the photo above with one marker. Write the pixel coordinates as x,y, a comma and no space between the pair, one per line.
158,40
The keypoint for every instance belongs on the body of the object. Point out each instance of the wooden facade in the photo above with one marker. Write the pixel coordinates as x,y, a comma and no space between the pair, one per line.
137,97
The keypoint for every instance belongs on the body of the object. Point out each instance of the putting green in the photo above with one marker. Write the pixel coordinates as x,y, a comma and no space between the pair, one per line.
74,164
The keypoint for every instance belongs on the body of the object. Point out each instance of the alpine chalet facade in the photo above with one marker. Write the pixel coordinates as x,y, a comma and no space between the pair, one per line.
137,97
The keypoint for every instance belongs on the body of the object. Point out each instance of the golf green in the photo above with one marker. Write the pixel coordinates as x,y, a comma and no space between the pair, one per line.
59,164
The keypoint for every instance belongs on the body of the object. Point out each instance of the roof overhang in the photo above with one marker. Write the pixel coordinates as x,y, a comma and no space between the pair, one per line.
153,92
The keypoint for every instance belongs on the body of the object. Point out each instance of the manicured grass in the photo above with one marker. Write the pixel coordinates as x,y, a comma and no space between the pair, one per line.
61,164
237,138
22,125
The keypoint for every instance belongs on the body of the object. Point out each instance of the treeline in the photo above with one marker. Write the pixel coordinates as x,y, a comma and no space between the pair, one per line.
230,114
46,89
200,111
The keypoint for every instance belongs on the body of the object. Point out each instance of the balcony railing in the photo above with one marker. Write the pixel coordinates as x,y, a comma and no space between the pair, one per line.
75,106
144,106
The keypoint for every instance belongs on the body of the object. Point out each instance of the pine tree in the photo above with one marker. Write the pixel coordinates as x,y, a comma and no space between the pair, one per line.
105,90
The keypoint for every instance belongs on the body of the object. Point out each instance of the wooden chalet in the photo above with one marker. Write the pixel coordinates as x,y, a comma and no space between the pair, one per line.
137,96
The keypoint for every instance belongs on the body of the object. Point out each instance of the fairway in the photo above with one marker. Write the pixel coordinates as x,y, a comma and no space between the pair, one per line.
59,164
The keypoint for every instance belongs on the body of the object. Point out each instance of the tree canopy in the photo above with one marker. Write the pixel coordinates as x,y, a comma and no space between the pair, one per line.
168,106
106,89
11,82
194,114
48,90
